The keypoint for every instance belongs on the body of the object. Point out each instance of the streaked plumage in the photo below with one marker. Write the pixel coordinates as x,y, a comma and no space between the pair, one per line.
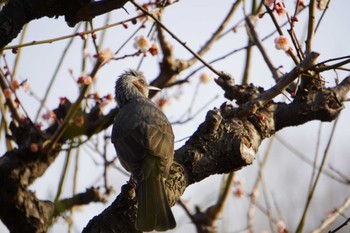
144,141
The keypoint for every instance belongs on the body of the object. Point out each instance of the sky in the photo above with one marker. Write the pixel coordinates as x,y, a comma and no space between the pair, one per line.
286,176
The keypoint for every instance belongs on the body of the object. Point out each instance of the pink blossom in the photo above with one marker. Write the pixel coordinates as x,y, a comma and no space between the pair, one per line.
25,86
322,4
301,5
154,49
239,191
106,55
280,9
7,93
281,227
87,80
205,78
15,84
282,43
83,36
142,43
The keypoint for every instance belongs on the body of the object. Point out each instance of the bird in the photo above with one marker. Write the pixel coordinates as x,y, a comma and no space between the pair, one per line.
144,141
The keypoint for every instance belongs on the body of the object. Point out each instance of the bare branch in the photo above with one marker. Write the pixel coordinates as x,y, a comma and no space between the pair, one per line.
331,219
90,195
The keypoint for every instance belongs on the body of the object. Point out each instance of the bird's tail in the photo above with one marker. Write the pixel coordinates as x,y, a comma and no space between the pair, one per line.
154,211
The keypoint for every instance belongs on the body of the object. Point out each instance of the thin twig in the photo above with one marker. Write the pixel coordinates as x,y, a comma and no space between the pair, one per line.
276,75
49,41
218,32
252,204
311,193
4,124
224,193
72,110
176,38
205,106
311,27
279,30
54,76
331,219
63,175
314,167
341,226
253,105
9,101
322,15
308,161
18,56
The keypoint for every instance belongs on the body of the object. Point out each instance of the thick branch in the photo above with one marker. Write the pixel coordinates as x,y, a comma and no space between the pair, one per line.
227,142
224,142
17,13
20,210
21,167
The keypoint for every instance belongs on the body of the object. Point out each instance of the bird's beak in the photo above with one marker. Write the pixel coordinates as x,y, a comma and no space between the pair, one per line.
154,88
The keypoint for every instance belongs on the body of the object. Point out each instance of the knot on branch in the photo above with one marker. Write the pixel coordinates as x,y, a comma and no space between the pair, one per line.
26,135
241,93
213,120
203,220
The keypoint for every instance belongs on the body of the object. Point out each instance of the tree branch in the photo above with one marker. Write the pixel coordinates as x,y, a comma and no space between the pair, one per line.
16,13
90,195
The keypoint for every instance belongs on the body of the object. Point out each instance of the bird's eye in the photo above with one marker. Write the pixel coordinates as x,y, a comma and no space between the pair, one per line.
142,81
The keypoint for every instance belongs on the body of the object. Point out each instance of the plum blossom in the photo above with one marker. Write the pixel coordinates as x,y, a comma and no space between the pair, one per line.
7,93
86,79
282,43
154,49
302,4
239,192
15,84
322,4
105,55
280,9
205,78
25,86
281,227
142,43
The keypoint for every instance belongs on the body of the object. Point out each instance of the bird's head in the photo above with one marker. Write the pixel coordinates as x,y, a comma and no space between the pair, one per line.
131,84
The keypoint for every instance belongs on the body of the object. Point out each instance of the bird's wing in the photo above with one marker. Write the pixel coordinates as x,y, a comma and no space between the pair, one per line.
160,143
130,149
141,130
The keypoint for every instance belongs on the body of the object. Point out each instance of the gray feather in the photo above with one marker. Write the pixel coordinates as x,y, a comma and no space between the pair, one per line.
144,141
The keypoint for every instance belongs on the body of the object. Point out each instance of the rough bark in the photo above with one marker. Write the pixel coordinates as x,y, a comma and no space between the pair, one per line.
16,13
226,141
